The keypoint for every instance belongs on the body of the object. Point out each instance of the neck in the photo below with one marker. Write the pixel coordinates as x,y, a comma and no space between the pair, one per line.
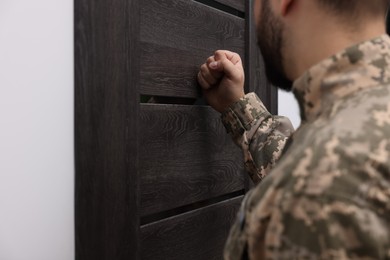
310,46
359,67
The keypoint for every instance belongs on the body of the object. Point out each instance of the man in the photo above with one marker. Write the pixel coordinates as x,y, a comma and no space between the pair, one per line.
326,194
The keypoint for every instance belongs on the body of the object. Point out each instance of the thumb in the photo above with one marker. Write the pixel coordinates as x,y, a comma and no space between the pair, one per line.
224,65
229,62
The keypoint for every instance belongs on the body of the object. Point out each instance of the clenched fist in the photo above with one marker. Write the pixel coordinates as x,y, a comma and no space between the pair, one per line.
222,79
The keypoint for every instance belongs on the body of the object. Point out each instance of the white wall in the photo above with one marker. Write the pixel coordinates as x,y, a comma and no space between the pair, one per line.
288,106
36,130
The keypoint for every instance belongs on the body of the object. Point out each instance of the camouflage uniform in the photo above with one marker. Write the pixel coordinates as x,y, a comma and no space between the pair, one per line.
328,196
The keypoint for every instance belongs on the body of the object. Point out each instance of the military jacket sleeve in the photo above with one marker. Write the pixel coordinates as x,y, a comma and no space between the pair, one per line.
260,135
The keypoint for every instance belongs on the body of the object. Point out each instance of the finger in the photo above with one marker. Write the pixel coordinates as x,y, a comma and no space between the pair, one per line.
232,56
211,77
210,59
202,82
228,62
225,66
213,68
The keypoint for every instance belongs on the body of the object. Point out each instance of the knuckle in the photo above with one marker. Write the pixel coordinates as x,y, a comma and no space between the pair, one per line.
218,52
200,77
202,81
203,68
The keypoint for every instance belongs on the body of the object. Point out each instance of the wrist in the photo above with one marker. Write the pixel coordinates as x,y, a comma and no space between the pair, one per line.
229,103
241,115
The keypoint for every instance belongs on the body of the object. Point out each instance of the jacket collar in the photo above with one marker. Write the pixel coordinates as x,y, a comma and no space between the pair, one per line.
356,68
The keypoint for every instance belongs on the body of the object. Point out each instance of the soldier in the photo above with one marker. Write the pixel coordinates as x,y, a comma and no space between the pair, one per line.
326,194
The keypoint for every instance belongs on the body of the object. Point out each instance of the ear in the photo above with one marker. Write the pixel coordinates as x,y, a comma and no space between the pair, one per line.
285,6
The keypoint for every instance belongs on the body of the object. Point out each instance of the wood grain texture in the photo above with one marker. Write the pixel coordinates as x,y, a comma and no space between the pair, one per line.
170,58
106,137
199,234
178,154
186,156
168,71
236,4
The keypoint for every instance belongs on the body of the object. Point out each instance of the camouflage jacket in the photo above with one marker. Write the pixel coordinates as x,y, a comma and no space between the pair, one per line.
328,195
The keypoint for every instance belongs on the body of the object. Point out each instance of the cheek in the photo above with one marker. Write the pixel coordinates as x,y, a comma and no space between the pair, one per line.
256,10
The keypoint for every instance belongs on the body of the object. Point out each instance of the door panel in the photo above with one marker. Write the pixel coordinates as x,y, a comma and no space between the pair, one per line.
176,38
185,157
236,4
157,176
198,234
106,129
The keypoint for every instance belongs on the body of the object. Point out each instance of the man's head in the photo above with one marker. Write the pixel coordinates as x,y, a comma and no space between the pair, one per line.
295,34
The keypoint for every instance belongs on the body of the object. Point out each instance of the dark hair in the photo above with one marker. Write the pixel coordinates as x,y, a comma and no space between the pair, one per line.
357,7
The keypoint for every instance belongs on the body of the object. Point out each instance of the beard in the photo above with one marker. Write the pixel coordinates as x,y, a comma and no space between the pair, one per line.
270,40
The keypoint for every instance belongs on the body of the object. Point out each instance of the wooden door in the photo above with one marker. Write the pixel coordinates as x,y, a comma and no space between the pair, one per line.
157,180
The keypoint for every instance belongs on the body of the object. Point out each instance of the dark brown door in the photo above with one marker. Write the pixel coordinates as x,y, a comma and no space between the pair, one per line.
157,177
